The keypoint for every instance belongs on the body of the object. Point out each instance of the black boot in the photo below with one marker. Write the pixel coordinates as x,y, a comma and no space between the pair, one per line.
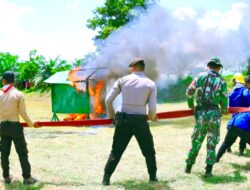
217,159
188,169
209,170
229,149
106,179
152,177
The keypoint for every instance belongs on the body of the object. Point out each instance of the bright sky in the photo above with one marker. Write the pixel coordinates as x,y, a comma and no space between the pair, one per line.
58,27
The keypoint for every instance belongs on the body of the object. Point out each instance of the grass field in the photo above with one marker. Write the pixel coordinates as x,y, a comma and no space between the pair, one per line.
74,158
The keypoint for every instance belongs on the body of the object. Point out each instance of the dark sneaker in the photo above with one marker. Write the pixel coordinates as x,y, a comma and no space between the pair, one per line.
29,181
229,150
153,180
208,172
7,180
152,177
208,175
106,179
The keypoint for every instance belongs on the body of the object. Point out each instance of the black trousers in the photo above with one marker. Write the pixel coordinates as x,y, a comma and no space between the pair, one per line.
13,131
231,136
127,125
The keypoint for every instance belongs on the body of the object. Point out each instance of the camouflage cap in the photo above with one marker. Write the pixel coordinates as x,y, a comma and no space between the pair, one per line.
215,62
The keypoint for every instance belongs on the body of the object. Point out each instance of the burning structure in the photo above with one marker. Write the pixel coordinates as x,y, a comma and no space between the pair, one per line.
78,93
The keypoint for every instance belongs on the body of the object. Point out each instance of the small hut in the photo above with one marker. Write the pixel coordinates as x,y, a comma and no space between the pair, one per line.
77,92
65,98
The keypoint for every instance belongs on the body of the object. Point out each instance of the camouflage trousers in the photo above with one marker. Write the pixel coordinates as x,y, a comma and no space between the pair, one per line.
207,123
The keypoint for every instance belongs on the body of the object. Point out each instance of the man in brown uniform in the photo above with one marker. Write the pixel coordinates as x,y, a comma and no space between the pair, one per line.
138,92
11,106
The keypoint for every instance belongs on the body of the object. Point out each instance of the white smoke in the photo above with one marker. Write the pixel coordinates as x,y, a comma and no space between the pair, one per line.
179,42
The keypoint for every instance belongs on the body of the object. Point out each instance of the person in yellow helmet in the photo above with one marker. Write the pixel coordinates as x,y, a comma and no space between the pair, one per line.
238,99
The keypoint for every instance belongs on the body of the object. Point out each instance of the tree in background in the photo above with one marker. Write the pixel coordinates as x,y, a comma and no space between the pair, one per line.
27,70
8,62
32,71
113,15
47,69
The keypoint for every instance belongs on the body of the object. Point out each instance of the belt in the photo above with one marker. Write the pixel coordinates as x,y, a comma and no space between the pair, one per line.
206,106
4,122
122,115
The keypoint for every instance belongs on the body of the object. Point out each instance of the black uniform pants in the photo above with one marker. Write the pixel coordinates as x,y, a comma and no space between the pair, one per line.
13,131
127,125
231,136
242,145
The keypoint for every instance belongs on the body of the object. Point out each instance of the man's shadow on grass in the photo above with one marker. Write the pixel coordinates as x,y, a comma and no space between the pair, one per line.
235,178
144,185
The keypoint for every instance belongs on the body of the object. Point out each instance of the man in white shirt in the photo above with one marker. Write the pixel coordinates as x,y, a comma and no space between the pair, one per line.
138,92
11,106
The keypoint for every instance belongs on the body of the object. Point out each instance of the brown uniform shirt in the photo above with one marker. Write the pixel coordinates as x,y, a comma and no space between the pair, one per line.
12,105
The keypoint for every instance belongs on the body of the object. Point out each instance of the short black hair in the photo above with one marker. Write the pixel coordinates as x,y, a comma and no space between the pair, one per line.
9,77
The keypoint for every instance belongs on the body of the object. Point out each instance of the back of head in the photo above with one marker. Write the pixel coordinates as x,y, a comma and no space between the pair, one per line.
239,78
9,77
138,63
214,62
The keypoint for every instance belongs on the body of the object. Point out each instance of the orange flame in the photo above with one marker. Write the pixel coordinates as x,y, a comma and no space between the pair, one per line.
95,91
98,98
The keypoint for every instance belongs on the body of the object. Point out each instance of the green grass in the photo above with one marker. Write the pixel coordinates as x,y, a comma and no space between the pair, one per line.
74,158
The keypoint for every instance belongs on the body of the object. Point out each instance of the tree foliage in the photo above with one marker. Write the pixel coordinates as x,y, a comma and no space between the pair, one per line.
47,69
114,14
34,70
7,62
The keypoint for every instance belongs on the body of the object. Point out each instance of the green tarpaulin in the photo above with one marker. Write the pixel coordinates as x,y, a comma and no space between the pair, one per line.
65,98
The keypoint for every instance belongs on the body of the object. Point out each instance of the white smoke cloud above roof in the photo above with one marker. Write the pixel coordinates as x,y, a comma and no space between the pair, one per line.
179,42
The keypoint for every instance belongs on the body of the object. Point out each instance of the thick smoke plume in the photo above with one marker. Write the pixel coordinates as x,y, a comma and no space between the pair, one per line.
179,42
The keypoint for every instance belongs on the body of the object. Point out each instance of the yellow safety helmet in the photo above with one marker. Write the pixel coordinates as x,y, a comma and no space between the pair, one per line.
238,77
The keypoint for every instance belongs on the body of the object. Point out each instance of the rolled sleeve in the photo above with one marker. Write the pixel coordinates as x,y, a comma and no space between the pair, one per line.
152,103
190,94
116,89
224,97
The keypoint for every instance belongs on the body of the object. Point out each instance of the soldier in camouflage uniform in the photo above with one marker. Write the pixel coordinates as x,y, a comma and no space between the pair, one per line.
210,91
